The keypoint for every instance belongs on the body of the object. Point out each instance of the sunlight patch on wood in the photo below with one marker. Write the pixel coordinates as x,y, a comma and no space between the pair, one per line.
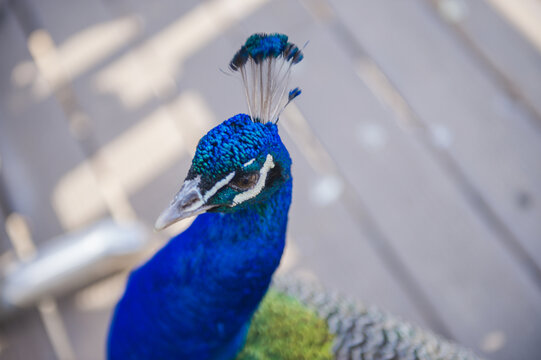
144,151
101,295
42,49
113,193
76,198
151,68
525,15
178,227
290,257
54,325
24,73
301,133
129,162
192,117
20,237
79,53
83,50
385,92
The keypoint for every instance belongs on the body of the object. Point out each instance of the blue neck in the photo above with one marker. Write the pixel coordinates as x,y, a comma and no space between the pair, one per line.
198,293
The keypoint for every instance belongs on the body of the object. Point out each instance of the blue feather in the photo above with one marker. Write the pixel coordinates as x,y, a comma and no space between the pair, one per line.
294,93
194,299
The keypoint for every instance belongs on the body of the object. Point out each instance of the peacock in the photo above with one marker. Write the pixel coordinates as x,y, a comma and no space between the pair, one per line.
209,293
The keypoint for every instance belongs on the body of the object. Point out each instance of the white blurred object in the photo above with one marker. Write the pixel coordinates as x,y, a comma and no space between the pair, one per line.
71,261
327,190
441,136
372,136
453,10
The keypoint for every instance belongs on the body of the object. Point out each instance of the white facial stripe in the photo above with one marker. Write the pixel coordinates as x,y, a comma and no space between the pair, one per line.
249,163
253,192
220,184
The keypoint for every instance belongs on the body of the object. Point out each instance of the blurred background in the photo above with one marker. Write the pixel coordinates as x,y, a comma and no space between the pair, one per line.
416,149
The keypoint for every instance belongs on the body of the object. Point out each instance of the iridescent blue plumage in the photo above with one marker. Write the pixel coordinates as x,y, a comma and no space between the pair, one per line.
262,46
293,93
194,299
198,293
235,142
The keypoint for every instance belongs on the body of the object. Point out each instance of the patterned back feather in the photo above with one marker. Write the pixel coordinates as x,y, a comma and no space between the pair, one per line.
366,332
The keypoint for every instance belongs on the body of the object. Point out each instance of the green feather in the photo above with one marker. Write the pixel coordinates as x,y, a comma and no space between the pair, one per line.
282,329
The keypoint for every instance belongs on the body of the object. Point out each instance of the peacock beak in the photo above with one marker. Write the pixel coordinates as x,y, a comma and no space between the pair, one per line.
187,202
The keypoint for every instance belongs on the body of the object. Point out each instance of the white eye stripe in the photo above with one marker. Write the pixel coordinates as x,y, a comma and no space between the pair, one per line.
249,163
220,184
253,192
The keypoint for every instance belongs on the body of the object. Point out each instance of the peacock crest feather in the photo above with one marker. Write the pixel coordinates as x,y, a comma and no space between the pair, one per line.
264,63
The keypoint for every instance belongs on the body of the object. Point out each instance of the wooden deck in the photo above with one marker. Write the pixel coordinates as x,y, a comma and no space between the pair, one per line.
416,147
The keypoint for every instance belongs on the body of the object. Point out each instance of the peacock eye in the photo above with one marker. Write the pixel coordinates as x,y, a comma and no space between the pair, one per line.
244,181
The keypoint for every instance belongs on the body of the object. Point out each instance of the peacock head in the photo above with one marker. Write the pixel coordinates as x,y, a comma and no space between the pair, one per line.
243,161
236,164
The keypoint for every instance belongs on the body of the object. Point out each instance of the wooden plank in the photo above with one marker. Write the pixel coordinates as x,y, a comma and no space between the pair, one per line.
35,142
90,31
36,149
87,315
493,142
465,272
24,338
524,15
514,60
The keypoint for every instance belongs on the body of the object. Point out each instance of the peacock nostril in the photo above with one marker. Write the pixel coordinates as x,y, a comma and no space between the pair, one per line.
190,199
